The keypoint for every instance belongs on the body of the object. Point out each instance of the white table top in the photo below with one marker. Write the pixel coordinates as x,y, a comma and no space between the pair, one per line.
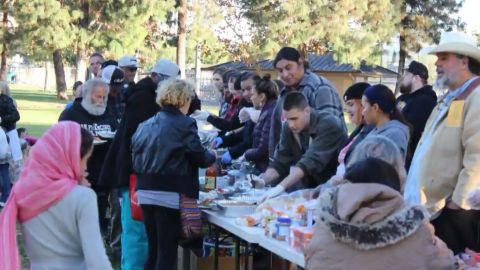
255,235
249,234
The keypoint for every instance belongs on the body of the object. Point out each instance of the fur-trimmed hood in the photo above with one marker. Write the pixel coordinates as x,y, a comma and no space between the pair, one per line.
368,216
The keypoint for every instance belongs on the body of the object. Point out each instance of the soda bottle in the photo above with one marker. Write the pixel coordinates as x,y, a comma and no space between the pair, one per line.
211,178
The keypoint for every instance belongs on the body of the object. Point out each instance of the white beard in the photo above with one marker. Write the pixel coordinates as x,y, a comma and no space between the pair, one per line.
442,83
93,109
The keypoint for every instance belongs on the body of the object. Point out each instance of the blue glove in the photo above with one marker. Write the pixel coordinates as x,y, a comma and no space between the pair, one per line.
217,142
226,158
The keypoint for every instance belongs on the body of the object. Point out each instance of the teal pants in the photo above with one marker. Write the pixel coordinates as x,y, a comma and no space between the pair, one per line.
134,238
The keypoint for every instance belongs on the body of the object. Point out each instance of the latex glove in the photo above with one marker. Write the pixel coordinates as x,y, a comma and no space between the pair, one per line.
243,115
200,115
217,142
257,181
337,180
241,158
473,199
272,193
226,158
249,113
254,114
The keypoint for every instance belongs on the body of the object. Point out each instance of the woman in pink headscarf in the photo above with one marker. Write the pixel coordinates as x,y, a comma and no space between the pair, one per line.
58,215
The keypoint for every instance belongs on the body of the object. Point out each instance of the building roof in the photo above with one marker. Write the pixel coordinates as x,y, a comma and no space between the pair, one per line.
318,63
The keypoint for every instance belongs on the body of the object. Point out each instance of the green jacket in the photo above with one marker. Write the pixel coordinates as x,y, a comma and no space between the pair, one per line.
317,156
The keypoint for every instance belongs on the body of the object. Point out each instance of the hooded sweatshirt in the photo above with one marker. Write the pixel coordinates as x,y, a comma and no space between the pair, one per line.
396,131
368,226
417,107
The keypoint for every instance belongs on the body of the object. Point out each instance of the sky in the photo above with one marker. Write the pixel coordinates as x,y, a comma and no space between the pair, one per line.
469,14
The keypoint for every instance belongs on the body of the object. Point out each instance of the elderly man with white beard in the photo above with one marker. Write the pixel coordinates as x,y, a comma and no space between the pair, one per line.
92,114
446,166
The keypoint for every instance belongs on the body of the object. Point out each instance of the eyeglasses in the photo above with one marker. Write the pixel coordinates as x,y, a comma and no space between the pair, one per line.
132,69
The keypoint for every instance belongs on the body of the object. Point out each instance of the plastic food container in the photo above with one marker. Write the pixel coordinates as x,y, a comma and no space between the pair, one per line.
300,237
282,228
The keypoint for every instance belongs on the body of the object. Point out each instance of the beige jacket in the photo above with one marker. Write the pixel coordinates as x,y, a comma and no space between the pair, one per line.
451,167
367,226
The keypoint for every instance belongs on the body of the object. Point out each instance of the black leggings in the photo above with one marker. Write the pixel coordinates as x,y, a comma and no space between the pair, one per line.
163,231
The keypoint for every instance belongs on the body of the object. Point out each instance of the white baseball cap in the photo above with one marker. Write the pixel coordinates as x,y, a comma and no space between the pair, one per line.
128,61
112,75
166,67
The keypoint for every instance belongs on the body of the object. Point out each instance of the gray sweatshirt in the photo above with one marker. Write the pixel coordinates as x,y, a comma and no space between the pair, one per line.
67,235
397,132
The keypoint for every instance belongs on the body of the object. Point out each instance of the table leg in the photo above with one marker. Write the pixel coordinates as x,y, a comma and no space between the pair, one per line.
215,256
237,253
186,258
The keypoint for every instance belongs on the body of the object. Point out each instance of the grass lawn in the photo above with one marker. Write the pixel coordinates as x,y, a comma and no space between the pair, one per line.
38,110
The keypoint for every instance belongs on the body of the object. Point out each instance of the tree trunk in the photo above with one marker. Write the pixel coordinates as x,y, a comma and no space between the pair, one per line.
3,64
403,49
80,64
401,64
59,75
182,36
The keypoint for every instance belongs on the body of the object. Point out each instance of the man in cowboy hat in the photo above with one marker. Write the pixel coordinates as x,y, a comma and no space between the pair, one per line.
446,166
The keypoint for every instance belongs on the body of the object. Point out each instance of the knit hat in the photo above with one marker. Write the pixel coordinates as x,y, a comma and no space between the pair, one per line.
355,91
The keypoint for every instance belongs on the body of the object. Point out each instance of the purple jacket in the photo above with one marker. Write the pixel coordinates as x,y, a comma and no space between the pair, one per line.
259,151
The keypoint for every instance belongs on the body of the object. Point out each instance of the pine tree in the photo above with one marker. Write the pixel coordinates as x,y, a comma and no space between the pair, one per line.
48,29
352,29
422,22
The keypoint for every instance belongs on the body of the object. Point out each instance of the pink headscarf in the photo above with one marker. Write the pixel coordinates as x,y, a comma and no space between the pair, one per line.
50,173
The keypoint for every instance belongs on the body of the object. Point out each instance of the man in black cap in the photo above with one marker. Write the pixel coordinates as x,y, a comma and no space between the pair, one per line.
416,102
114,77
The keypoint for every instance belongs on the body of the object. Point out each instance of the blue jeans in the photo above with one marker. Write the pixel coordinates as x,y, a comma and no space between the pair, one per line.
134,238
5,174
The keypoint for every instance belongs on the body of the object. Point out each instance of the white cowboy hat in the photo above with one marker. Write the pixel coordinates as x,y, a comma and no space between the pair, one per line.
457,42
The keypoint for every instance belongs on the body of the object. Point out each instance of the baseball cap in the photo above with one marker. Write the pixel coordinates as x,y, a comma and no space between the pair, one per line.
417,68
112,75
166,67
128,61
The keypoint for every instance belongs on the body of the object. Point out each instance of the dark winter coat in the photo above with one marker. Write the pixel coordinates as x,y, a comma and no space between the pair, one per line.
259,151
140,105
416,107
238,142
167,153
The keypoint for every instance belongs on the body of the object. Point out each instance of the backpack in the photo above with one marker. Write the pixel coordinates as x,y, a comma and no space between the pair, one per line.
4,147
